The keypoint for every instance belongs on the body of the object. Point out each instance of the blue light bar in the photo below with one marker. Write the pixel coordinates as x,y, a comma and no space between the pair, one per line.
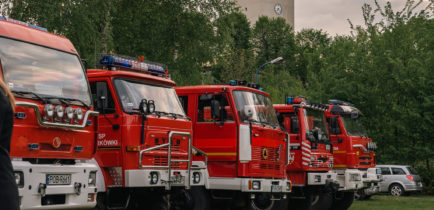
290,100
22,23
233,82
112,60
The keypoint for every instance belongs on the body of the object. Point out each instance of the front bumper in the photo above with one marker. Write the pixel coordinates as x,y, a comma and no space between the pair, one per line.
37,194
247,185
315,178
349,179
142,178
372,190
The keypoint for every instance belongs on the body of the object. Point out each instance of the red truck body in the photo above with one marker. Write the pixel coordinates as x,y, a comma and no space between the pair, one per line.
54,127
139,151
246,148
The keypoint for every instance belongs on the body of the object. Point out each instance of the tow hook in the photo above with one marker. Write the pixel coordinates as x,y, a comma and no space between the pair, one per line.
77,188
42,188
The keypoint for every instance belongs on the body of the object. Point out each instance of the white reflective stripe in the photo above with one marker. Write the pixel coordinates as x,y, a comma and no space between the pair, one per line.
306,154
305,144
307,149
306,159
294,144
304,163
245,149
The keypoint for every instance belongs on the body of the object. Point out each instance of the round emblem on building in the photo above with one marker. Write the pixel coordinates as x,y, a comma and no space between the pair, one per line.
278,9
56,143
264,153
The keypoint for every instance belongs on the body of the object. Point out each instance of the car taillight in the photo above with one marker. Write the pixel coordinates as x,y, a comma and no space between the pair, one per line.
410,177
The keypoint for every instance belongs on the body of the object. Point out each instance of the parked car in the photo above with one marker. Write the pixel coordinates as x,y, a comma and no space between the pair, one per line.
399,179
372,186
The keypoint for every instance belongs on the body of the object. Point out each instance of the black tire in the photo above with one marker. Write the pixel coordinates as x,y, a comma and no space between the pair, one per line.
315,200
360,195
342,200
160,203
100,201
368,197
396,190
194,199
263,201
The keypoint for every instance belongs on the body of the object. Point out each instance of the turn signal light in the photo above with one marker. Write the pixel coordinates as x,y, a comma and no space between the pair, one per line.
131,148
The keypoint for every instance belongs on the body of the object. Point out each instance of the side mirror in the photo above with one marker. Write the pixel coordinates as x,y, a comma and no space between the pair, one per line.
294,125
335,125
101,94
215,109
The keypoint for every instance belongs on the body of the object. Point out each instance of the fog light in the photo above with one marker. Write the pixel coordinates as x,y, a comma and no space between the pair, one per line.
19,178
92,178
256,185
78,114
69,113
49,110
196,177
153,178
59,111
288,187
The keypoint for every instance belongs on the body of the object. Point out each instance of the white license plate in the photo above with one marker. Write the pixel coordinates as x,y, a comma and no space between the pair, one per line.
276,188
58,179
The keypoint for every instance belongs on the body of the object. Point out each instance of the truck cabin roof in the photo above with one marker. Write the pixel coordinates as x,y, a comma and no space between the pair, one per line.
216,88
93,73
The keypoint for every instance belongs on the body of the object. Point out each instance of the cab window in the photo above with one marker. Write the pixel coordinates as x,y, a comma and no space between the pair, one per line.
204,108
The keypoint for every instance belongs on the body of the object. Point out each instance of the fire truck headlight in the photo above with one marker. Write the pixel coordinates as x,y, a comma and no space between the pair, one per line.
288,187
78,114
196,177
19,178
92,178
69,113
154,178
151,106
49,110
59,111
355,177
256,185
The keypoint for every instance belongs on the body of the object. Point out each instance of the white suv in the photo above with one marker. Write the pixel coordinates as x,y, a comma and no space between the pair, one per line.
399,179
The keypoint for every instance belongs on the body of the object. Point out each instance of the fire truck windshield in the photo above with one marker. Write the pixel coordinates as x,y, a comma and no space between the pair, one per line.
353,126
315,125
255,107
43,72
131,92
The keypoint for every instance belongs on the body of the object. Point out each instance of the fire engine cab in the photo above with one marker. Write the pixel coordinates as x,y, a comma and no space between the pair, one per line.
353,151
144,141
237,128
311,158
54,125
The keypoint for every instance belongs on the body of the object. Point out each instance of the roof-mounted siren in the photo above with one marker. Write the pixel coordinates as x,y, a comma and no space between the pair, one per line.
128,63
339,102
238,82
22,23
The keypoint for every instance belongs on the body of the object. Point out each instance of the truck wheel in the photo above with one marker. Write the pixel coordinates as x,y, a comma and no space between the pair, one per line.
396,190
100,201
360,195
263,201
343,201
315,200
195,199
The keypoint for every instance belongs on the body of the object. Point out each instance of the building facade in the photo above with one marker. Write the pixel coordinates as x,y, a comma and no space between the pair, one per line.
271,8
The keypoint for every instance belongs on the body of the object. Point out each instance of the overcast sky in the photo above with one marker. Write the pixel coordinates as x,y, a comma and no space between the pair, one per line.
332,15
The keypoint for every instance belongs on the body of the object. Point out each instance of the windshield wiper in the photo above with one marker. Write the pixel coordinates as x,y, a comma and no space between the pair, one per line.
67,100
31,93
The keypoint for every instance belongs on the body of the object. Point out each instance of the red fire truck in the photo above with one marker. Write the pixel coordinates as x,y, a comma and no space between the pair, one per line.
237,128
311,158
353,151
54,127
144,142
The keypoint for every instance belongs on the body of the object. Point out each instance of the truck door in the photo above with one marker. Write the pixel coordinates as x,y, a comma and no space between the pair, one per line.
108,138
337,138
216,134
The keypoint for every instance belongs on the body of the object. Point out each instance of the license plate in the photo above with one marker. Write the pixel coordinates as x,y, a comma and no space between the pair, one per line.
58,179
276,188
